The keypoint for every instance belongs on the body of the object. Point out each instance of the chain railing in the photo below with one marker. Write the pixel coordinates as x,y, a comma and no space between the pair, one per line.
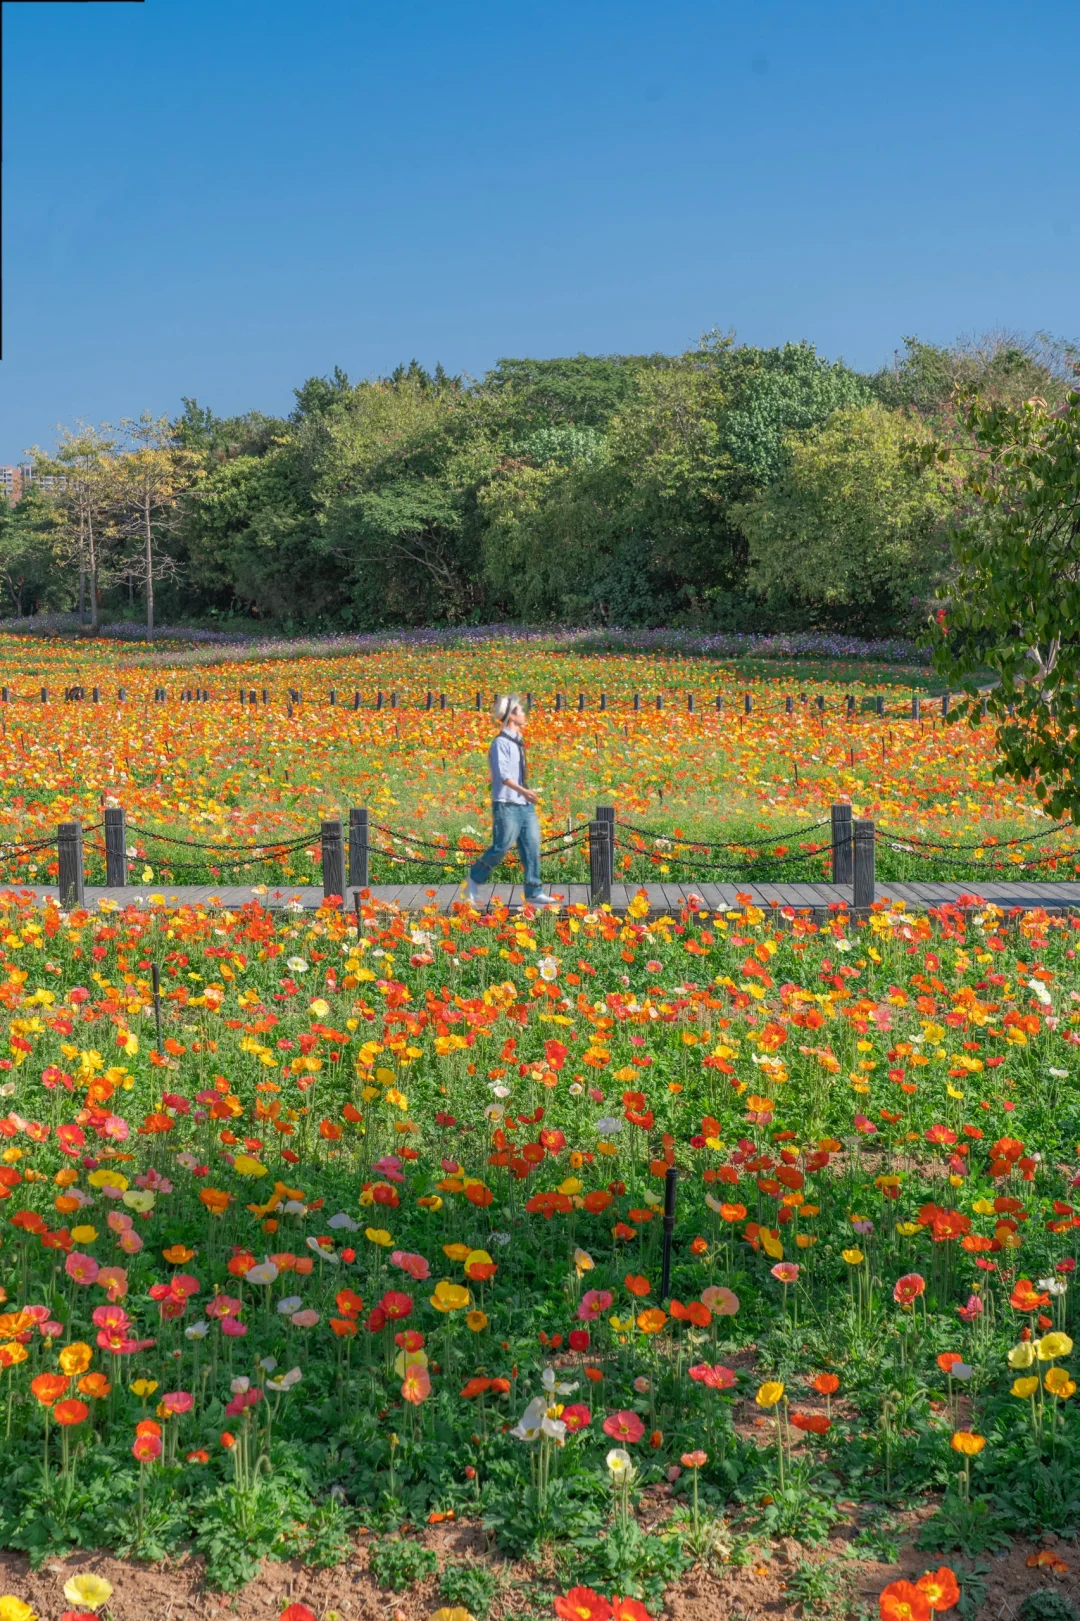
346,852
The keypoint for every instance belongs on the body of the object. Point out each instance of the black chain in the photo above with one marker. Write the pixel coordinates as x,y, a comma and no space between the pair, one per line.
731,844
1005,844
713,866
193,844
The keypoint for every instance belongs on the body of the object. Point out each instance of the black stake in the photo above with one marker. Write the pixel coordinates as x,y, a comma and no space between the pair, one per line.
155,979
670,1181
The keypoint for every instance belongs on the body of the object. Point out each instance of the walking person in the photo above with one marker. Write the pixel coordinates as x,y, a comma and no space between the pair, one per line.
513,807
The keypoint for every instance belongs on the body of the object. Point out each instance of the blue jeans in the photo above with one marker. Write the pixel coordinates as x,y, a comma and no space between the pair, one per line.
513,824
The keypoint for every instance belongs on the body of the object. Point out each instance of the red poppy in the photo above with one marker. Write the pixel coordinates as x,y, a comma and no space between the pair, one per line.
902,1601
811,1423
940,1588
582,1604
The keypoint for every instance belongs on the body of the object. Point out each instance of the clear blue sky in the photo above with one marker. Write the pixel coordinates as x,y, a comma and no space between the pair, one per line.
220,198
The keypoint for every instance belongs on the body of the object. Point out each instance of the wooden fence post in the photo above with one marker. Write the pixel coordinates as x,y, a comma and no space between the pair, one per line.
333,859
916,707
747,703
863,882
359,860
879,705
70,850
841,844
599,883
606,814
789,704
116,870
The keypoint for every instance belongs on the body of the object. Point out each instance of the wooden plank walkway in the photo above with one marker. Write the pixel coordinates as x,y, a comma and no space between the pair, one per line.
663,898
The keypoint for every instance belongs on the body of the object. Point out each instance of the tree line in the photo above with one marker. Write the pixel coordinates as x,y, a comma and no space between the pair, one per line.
727,487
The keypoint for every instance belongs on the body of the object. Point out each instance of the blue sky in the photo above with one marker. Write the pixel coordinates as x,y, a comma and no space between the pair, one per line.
220,198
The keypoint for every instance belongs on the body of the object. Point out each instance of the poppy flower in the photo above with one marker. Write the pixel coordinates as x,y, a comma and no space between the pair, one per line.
628,1609
624,1425
71,1411
811,1423
908,1288
902,1601
582,1604
88,1589
940,1587
576,1417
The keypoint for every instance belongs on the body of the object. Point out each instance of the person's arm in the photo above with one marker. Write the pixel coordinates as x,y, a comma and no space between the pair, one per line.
530,795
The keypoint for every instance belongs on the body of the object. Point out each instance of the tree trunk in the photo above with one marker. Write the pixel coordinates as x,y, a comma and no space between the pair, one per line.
92,560
149,570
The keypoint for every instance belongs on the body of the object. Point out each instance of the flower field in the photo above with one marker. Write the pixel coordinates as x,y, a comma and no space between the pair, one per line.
248,784
372,1236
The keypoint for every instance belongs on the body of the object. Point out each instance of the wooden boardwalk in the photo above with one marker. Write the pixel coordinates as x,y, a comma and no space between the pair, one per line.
669,898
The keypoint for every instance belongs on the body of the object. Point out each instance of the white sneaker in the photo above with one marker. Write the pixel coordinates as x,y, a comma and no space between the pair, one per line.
469,892
543,899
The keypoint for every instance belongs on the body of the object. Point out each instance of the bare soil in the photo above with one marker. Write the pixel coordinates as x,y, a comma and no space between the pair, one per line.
174,1590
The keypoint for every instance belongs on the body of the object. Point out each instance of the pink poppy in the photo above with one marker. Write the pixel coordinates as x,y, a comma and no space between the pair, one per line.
82,1268
713,1378
178,1401
624,1426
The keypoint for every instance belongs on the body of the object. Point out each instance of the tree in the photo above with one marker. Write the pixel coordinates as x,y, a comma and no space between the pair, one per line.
852,525
585,390
29,534
1014,606
1010,366
84,490
149,478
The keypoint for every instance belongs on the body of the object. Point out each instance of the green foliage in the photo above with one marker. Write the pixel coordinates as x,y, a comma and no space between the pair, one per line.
852,522
1005,365
774,393
625,1560
972,1581
972,1527
1015,602
585,390
1046,1605
322,1538
29,538
397,1563
236,1528
817,1586
526,1523
471,1586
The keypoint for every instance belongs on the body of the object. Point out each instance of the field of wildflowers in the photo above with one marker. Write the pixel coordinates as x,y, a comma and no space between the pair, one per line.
360,1228
262,775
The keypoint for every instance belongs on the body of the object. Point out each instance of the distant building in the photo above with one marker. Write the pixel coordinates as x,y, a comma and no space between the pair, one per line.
15,481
